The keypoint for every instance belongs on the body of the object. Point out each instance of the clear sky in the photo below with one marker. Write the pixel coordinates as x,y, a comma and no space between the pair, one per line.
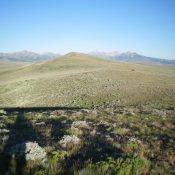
61,26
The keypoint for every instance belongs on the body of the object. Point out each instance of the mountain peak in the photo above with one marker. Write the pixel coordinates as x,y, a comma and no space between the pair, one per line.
26,56
132,57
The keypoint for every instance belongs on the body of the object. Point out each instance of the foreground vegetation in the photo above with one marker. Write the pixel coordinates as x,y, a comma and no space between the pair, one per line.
83,141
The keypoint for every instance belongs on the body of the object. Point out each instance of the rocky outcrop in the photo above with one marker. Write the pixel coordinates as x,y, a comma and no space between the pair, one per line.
69,141
40,124
31,150
3,112
4,131
80,125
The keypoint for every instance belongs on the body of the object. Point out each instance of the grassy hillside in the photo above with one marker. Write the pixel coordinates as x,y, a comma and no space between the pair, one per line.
82,80
116,118
6,66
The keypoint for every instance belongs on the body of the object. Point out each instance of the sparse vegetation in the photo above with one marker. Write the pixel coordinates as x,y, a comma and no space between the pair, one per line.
85,81
103,149
112,120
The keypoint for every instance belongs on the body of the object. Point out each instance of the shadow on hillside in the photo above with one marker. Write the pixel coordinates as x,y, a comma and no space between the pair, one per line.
38,109
21,132
95,148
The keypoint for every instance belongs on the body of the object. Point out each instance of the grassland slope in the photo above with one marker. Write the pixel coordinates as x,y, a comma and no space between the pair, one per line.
82,80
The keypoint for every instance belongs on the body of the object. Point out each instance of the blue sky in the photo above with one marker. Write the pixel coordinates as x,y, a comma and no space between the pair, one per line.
143,26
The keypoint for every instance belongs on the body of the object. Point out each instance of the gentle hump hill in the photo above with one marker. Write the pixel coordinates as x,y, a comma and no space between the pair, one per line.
82,80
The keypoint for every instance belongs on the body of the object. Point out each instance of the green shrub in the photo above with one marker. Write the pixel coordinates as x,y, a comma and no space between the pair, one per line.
54,161
120,166
76,132
121,131
41,172
86,171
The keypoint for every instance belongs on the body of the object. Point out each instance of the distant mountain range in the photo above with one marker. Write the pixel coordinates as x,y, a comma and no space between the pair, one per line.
131,57
26,56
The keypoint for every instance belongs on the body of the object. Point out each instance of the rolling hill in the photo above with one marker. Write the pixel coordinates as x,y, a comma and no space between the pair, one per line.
77,79
76,108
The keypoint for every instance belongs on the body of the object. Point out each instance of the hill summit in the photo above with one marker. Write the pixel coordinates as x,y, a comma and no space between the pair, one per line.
78,79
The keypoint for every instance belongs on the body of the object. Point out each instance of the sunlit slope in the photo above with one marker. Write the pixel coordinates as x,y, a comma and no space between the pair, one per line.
70,63
82,80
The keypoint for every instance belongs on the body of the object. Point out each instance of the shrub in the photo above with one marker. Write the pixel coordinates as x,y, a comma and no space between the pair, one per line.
86,171
120,166
54,161
41,172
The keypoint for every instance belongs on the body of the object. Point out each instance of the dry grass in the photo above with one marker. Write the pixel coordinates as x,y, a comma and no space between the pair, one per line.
82,80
